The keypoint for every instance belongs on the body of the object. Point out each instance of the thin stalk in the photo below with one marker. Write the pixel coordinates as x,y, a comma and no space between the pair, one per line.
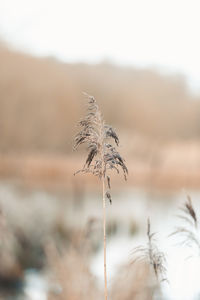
101,135
104,239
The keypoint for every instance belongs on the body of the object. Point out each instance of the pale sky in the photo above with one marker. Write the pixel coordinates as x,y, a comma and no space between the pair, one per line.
160,33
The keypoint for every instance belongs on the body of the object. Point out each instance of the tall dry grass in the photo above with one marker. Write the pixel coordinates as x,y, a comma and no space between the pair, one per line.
102,157
151,255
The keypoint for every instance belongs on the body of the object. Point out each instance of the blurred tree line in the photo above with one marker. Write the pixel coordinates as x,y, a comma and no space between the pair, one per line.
41,100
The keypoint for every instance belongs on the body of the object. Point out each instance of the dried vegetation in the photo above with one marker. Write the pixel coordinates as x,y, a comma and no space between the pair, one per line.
151,255
95,134
188,232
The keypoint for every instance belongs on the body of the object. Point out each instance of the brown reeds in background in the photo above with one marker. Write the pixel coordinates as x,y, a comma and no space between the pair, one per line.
133,283
71,278
40,102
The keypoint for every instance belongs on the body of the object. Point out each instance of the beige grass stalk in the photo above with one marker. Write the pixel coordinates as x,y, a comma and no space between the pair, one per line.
104,204
104,240
102,157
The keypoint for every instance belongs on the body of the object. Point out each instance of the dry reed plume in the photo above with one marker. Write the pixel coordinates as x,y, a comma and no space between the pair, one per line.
189,231
102,156
152,255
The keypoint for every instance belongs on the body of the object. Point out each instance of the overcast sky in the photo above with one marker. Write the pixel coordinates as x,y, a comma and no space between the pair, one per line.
160,33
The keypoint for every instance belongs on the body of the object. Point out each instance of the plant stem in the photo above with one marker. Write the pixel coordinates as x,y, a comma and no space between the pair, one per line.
104,239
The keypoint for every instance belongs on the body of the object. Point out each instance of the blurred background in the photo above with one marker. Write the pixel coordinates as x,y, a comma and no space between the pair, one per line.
140,59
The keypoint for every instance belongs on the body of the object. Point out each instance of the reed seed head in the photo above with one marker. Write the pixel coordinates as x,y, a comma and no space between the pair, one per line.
151,254
97,136
188,231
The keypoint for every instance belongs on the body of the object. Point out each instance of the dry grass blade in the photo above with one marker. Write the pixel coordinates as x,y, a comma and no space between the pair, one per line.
152,255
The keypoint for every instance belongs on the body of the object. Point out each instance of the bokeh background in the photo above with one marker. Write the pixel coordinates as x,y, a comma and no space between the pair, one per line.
140,59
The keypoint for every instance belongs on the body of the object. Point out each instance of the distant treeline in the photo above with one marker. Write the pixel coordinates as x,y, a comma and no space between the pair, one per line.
41,101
